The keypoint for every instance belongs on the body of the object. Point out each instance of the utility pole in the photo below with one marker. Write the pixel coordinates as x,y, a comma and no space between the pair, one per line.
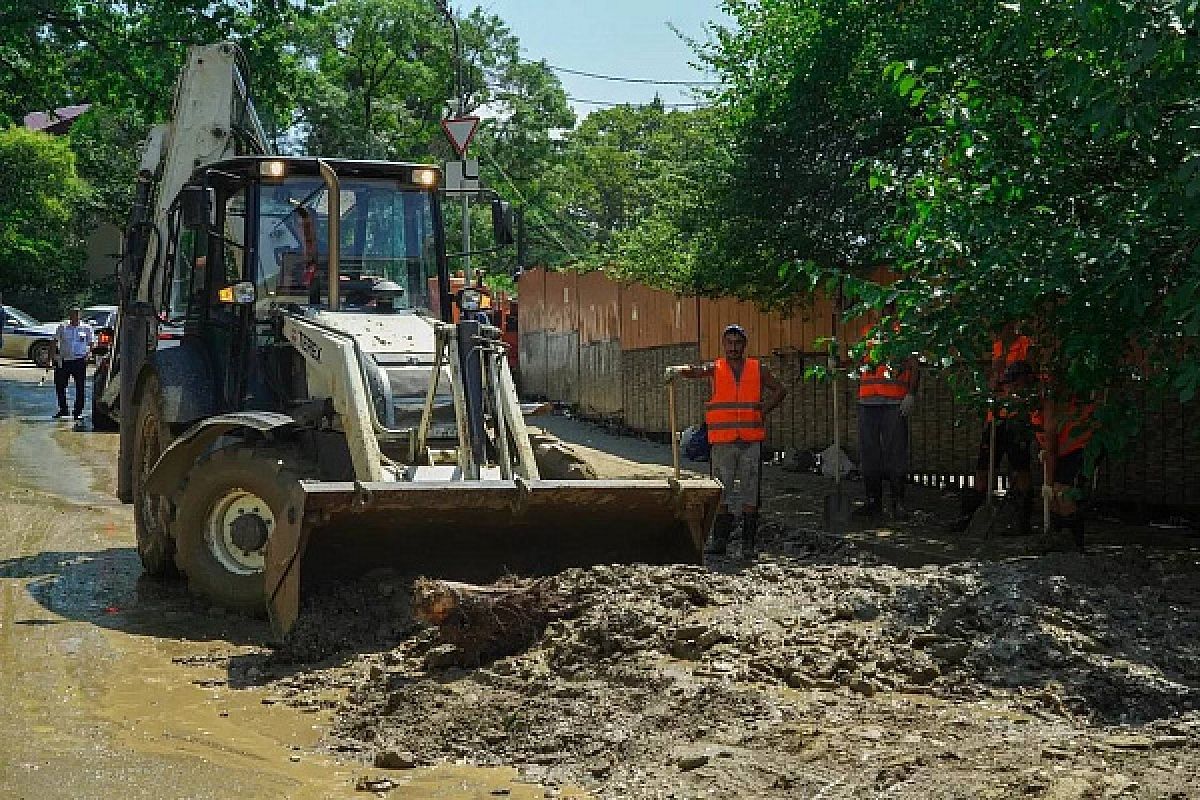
448,13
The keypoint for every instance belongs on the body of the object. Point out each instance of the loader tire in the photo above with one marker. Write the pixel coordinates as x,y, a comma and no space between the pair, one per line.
151,512
227,509
102,420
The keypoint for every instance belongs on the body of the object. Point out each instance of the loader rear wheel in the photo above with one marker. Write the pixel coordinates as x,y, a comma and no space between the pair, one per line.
227,509
102,419
151,512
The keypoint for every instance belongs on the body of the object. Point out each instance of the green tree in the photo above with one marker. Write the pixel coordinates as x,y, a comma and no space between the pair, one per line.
107,146
804,105
1056,181
1033,162
127,55
378,78
627,191
38,253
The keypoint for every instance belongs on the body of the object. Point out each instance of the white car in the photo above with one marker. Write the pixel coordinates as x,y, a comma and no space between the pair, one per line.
103,320
25,337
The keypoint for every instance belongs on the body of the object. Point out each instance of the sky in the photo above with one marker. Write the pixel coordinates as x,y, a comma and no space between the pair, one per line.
621,38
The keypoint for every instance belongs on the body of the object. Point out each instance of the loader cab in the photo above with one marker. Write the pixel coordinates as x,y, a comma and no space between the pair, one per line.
264,245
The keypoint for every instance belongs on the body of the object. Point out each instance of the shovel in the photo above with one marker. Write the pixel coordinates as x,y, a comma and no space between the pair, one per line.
984,517
837,505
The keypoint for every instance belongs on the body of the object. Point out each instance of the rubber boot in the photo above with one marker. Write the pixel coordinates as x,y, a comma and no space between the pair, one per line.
969,502
722,527
1025,514
899,511
874,503
749,533
1075,523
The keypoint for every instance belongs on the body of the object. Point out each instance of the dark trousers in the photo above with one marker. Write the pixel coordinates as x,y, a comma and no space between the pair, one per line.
882,449
71,368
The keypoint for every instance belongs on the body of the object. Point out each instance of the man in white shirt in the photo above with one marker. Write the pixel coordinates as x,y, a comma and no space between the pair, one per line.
73,342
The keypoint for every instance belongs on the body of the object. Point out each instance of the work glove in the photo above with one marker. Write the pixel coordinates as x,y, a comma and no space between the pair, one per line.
906,405
1047,491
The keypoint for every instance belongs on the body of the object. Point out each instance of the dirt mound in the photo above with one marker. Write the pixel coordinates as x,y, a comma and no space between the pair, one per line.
667,670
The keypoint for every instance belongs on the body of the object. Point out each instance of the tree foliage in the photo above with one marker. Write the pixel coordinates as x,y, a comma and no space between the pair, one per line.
41,192
626,190
1030,162
127,54
804,106
1055,180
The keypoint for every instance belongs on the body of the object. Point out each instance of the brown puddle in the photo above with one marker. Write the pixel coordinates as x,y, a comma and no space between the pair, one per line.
90,709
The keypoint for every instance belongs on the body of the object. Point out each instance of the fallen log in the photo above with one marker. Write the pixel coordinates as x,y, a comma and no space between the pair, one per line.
484,623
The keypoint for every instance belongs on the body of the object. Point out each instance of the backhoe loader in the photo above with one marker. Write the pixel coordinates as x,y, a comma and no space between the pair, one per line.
320,412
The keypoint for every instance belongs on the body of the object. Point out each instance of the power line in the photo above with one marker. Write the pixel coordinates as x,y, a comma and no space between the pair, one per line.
611,103
622,79
527,204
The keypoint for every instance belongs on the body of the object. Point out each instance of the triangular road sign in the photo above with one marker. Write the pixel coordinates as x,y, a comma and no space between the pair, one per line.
460,132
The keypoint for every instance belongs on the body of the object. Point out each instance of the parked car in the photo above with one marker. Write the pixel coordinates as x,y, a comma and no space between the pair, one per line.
25,337
106,411
103,320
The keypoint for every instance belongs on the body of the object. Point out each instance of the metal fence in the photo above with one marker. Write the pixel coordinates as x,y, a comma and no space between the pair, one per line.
600,346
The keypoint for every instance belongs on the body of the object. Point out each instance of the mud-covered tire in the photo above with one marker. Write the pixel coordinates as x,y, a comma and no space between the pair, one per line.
229,483
101,419
40,353
151,512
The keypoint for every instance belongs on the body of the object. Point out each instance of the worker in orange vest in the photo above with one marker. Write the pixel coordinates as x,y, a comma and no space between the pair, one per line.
1063,429
886,395
735,416
1011,378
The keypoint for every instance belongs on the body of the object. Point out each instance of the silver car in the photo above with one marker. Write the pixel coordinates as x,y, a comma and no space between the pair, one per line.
25,337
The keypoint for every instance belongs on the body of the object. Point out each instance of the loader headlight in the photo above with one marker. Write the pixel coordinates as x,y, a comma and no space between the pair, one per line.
272,170
426,176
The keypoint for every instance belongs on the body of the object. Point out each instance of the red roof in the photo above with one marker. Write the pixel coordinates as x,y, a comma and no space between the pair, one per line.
57,121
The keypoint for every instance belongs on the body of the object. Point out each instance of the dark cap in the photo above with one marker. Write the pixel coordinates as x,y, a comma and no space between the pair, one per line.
735,329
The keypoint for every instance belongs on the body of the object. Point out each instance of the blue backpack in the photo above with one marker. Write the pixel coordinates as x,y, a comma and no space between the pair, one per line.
697,448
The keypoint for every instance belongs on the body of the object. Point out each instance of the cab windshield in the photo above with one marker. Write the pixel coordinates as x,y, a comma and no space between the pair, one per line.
387,254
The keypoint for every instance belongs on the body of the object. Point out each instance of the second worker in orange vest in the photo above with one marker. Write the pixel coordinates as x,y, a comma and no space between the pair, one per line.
735,416
1010,381
886,394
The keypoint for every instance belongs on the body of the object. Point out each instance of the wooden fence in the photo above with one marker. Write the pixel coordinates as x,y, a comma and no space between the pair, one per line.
600,346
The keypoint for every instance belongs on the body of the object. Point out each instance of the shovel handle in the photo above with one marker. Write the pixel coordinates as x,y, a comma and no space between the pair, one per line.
991,459
671,422
1047,480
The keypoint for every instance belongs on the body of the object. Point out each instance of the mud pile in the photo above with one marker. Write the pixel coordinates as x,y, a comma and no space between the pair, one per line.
775,676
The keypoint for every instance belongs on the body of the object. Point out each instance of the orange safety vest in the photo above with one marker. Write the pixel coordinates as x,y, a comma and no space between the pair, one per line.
1018,350
734,413
1073,434
883,381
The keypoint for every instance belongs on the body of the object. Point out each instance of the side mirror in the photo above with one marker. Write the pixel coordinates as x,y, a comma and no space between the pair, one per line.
193,207
502,222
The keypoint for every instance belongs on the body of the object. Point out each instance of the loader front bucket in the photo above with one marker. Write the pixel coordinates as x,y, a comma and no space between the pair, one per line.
481,530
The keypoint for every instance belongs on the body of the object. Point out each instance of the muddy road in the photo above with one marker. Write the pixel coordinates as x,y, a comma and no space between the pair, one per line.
115,686
896,661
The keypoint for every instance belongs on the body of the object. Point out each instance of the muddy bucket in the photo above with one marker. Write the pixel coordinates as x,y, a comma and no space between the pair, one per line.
481,530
